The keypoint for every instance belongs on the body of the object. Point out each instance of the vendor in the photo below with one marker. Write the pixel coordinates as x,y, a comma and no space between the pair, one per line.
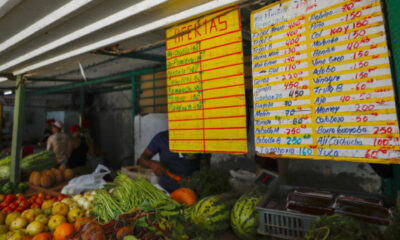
172,166
80,148
59,143
47,131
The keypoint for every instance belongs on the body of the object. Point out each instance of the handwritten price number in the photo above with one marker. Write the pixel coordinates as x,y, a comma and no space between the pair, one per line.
374,153
360,54
293,140
357,44
298,121
289,59
290,67
291,85
290,112
361,75
361,64
306,151
292,41
296,93
290,50
353,15
381,142
292,33
292,131
364,107
292,76
383,130
345,98
361,119
364,96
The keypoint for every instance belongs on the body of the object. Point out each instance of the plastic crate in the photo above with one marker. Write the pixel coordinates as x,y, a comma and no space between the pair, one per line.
279,223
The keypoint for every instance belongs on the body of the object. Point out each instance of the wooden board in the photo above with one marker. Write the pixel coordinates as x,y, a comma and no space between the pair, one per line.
205,78
322,82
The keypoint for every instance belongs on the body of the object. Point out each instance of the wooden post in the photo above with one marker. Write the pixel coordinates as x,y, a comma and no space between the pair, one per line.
18,124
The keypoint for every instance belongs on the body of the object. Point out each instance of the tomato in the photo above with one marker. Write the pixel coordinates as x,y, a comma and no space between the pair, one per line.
13,205
55,199
18,201
19,210
19,195
6,210
24,204
61,197
35,196
10,197
48,197
41,195
39,201
30,201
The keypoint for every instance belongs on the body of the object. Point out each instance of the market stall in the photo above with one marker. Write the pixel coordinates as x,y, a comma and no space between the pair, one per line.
322,76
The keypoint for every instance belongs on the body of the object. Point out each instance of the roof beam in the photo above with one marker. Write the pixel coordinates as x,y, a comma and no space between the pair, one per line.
7,5
98,81
44,22
134,55
84,31
163,22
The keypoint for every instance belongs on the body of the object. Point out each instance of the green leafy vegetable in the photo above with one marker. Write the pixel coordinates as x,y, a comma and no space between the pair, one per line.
207,182
337,227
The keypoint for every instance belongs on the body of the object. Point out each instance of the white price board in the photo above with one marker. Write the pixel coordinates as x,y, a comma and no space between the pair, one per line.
322,82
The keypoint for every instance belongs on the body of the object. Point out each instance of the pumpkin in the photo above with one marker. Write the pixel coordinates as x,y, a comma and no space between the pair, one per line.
42,236
184,195
80,222
63,231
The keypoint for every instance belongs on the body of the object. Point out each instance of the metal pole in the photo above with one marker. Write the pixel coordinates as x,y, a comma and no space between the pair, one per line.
16,145
133,94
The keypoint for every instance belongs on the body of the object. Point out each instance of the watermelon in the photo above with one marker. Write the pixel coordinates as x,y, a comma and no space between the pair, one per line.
244,215
213,213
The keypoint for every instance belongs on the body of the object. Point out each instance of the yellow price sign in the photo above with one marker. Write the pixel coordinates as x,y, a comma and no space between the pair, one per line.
206,91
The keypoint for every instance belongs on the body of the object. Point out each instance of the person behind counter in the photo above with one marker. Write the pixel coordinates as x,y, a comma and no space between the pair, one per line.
59,143
172,166
47,131
80,148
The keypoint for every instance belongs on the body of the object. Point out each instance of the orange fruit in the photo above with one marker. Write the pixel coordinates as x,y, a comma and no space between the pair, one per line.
63,231
42,236
80,222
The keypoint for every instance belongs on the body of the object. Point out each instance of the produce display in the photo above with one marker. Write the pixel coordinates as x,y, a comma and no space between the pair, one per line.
50,177
184,195
244,215
31,163
127,195
213,213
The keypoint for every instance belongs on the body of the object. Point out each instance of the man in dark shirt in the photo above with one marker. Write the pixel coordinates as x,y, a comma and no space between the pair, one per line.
172,166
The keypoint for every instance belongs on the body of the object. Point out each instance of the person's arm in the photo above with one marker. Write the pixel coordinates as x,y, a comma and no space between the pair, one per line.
49,143
145,161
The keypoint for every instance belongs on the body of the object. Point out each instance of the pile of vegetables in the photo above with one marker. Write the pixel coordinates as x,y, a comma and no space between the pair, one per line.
127,194
50,177
18,203
11,188
207,182
31,163
337,227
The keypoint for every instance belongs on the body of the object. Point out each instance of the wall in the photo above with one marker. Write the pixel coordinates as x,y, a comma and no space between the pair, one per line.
111,127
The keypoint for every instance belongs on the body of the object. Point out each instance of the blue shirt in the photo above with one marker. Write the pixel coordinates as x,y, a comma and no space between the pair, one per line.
181,166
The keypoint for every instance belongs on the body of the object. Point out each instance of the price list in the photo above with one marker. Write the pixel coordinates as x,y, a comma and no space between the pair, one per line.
206,92
322,82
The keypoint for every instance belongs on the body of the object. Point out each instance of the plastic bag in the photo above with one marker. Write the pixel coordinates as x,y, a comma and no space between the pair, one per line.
87,182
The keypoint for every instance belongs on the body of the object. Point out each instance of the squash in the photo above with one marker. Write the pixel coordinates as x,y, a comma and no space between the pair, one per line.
68,174
46,181
184,195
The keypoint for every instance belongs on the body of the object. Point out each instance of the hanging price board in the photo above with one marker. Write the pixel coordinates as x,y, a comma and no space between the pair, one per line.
206,92
322,82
